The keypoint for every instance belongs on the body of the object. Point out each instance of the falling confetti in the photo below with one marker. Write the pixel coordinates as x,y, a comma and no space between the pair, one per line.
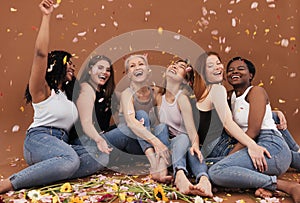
177,37
233,22
15,128
160,30
82,34
59,16
296,112
75,39
13,9
254,5
227,49
284,43
281,101
115,23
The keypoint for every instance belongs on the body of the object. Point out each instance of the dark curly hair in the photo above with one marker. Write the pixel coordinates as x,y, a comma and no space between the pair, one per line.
56,71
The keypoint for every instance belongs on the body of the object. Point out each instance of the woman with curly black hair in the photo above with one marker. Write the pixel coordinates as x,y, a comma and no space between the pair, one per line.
46,149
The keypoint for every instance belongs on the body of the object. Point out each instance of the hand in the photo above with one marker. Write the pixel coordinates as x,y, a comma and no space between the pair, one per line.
258,158
103,147
163,152
195,150
46,6
282,121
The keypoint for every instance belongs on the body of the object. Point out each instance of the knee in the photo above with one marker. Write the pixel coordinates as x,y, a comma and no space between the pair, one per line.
183,140
141,114
70,166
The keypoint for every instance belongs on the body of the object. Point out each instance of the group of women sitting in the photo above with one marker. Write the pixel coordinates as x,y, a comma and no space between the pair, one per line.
191,125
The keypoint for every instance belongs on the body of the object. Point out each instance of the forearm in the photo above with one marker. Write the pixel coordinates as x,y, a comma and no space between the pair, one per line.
43,38
139,130
239,134
90,131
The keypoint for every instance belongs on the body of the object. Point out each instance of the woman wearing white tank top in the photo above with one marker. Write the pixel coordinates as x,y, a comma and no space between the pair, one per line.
252,111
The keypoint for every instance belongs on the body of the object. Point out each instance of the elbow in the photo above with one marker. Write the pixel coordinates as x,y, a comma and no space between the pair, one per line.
130,126
40,53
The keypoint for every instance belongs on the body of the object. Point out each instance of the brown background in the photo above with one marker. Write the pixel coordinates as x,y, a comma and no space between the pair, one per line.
257,36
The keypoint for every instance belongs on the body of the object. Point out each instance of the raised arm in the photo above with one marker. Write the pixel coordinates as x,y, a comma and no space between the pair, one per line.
38,87
218,97
85,106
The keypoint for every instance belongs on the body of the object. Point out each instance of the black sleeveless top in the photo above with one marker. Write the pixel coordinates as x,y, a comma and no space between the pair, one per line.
102,112
210,126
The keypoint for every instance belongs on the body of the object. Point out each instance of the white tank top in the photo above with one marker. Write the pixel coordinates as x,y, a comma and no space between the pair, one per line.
240,111
171,116
56,111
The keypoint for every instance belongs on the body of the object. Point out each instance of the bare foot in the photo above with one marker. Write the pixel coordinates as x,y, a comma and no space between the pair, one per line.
263,193
295,193
160,172
205,186
5,186
185,186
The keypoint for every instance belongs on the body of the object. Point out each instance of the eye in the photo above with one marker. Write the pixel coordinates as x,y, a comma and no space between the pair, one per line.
229,69
210,65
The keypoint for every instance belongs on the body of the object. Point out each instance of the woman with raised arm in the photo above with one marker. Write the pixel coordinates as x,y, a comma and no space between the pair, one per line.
46,149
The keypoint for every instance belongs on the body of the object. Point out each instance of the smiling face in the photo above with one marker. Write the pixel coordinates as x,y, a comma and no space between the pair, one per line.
100,73
138,70
177,71
214,69
70,70
238,73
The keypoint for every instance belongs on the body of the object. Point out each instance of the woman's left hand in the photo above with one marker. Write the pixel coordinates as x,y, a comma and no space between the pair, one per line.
195,150
257,155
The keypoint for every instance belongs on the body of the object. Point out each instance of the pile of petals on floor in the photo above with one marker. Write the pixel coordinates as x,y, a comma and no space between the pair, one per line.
117,188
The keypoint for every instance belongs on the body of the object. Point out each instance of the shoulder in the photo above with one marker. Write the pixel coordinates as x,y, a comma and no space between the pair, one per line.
257,92
86,87
183,99
218,90
87,90
126,94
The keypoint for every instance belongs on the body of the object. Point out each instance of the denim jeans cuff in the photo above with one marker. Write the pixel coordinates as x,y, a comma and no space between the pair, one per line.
273,187
200,175
11,179
180,168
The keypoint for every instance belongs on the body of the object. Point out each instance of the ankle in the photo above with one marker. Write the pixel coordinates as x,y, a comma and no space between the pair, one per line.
5,186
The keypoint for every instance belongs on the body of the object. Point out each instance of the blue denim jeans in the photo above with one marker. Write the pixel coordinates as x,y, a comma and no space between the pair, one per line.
49,156
287,135
221,149
294,147
91,159
128,146
237,170
182,158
